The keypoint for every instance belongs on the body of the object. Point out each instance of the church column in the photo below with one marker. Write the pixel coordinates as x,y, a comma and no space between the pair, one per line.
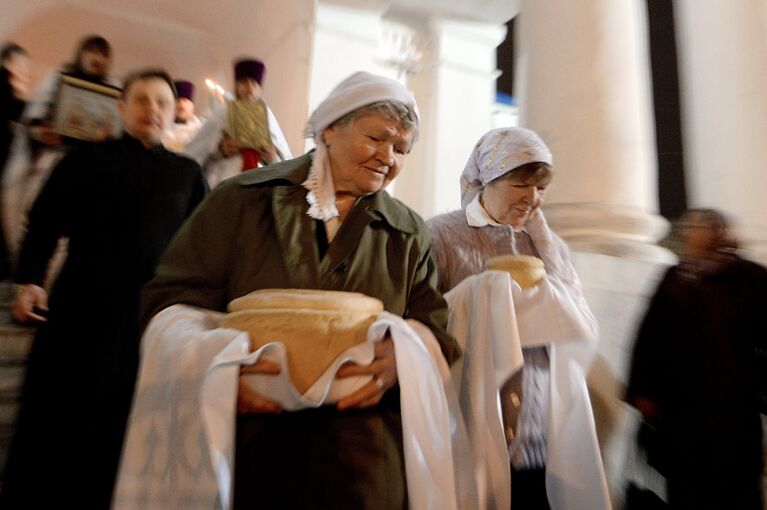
454,84
584,85
723,73
346,40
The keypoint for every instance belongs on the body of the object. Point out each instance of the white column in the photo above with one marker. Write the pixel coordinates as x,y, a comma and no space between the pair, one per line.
723,72
454,84
584,86
346,40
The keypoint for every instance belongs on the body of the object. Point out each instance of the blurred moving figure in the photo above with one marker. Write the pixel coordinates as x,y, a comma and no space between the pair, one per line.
695,370
92,62
218,151
187,124
120,203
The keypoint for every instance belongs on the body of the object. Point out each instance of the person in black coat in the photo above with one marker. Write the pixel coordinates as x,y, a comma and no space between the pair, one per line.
696,369
119,203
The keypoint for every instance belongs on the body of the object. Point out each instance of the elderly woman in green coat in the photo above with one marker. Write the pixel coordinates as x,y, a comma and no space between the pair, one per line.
321,221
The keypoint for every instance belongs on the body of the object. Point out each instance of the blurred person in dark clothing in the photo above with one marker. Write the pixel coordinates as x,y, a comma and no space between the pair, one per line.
14,91
695,373
120,203
92,62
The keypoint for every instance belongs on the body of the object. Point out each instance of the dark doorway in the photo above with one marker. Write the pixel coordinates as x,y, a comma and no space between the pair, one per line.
672,193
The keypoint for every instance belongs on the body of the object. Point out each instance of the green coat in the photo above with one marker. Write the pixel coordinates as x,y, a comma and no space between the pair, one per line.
252,233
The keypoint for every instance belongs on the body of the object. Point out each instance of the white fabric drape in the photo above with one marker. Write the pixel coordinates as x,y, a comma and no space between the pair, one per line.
493,318
180,441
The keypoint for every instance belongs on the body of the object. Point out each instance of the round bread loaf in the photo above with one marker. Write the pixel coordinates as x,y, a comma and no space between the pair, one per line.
526,270
316,326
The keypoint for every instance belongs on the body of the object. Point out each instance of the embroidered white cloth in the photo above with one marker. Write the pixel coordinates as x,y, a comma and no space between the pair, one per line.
180,441
493,317
354,92
498,152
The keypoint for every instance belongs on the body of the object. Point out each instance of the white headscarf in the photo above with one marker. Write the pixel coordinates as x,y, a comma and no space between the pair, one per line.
498,152
354,92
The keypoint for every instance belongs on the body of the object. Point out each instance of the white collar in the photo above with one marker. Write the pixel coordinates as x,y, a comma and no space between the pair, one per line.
477,216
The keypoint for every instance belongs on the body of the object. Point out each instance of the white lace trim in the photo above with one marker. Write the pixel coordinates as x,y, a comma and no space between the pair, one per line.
319,183
477,216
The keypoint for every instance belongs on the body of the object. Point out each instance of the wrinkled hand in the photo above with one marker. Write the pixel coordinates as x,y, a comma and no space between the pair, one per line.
228,146
28,297
383,368
249,401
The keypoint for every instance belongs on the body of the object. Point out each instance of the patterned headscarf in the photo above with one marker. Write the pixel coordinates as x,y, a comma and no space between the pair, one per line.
356,91
498,152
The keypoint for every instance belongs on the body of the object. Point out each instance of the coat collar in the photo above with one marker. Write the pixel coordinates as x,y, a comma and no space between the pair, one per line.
294,171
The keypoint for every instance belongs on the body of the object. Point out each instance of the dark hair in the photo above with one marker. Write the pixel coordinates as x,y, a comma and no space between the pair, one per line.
94,43
717,221
149,74
536,172
10,49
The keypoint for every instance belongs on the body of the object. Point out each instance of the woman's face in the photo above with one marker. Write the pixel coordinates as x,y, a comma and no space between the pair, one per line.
511,200
95,63
367,153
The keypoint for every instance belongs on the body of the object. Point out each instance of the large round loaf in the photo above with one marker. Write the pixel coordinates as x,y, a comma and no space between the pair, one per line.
526,270
316,326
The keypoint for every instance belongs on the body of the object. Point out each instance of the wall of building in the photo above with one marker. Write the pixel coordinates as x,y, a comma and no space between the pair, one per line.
193,40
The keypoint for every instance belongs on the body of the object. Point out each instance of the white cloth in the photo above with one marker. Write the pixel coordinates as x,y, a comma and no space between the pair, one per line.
498,152
493,317
180,440
354,92
178,135
483,321
205,144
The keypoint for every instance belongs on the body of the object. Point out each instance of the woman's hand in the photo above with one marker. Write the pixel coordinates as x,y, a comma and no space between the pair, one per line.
384,371
29,298
249,401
